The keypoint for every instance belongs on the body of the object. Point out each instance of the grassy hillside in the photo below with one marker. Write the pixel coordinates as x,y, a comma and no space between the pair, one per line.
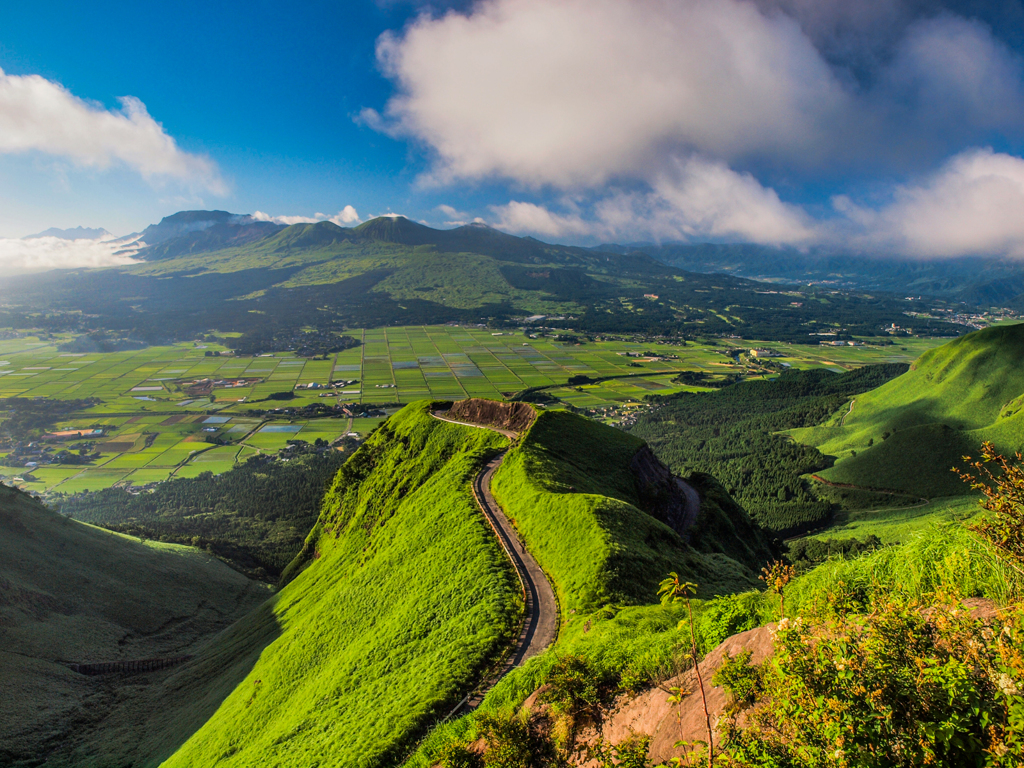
733,433
906,434
404,598
401,596
633,648
570,490
71,593
255,516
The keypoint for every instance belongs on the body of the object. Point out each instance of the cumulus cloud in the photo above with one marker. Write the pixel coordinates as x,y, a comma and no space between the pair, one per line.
581,91
972,206
345,216
674,119
691,198
456,218
39,115
43,253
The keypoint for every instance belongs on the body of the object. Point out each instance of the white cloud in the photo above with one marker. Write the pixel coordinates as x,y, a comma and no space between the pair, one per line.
43,253
39,115
580,97
457,218
582,91
974,205
691,198
346,215
520,217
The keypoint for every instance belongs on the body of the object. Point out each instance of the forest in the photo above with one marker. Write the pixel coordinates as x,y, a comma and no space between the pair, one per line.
255,516
24,418
731,433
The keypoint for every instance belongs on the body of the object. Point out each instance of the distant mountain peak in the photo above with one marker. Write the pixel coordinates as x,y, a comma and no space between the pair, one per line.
190,232
183,222
77,233
395,229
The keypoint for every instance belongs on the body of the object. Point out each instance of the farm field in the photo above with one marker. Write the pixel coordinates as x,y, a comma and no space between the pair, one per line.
164,409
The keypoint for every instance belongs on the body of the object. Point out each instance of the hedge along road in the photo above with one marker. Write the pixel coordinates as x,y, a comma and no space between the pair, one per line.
540,627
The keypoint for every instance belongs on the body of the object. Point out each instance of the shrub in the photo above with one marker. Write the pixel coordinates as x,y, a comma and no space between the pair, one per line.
909,684
631,752
739,678
456,754
511,743
572,686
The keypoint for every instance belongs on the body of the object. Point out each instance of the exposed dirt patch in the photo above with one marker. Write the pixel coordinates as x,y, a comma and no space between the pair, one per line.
651,712
515,417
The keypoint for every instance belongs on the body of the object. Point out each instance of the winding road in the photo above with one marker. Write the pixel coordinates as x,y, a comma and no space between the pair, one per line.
692,509
540,625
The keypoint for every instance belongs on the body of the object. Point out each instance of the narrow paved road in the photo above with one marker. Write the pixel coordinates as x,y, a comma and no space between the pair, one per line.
540,626
692,511
842,421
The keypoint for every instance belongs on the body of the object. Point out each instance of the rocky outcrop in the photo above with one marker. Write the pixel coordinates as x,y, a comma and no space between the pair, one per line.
663,495
515,417
653,714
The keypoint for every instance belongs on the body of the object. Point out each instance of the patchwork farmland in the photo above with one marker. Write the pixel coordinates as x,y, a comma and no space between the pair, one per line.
190,408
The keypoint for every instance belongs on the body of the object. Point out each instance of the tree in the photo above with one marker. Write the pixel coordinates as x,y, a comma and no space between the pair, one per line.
776,576
1001,482
672,590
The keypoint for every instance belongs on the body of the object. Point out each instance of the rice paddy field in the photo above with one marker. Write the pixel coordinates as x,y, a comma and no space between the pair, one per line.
160,405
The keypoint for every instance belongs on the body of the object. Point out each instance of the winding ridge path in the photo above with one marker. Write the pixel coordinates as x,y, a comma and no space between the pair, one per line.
540,626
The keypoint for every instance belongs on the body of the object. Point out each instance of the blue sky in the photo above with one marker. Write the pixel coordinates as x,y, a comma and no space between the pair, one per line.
267,90
894,126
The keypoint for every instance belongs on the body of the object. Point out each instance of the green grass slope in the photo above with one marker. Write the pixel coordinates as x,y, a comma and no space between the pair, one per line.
401,596
569,488
404,598
906,434
72,593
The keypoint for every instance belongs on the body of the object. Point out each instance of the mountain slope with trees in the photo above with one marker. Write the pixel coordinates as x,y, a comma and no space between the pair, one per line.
254,276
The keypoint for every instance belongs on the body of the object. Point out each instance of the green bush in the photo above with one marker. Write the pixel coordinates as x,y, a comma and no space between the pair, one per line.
458,755
739,678
511,743
912,683
631,752
572,686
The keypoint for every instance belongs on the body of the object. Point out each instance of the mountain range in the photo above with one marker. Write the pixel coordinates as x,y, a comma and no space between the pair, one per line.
76,233
198,271
982,281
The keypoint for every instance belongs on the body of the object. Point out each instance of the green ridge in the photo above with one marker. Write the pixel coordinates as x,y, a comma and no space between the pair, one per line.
569,489
72,593
404,599
906,434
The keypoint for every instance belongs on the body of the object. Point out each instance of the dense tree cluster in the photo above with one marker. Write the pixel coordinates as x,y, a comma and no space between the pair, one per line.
806,553
23,418
732,434
305,343
256,516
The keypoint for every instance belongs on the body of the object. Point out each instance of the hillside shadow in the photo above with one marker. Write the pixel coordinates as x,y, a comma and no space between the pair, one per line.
153,721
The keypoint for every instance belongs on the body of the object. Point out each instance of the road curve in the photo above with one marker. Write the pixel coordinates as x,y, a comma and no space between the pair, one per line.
540,625
692,509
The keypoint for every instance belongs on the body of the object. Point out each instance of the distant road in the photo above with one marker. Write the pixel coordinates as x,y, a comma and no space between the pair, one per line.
540,626
842,421
692,503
